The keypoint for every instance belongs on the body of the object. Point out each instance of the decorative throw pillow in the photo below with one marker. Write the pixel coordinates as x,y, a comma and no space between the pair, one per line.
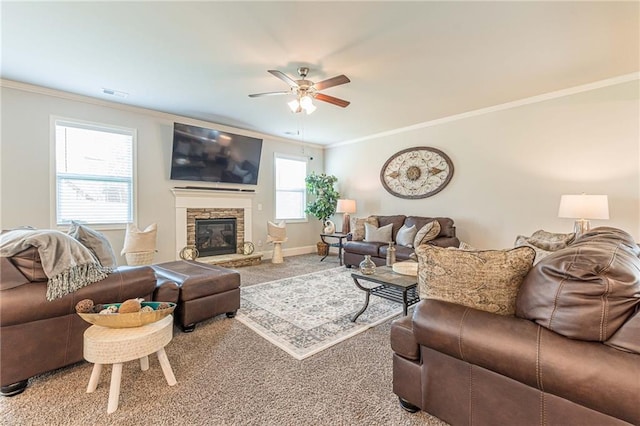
522,241
427,233
486,280
277,231
406,236
96,242
382,234
136,240
357,226
551,241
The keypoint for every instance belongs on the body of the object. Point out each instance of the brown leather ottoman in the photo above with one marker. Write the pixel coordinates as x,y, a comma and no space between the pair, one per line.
205,290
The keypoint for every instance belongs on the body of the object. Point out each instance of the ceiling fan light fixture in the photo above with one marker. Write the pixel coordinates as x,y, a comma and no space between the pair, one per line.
310,109
294,105
305,101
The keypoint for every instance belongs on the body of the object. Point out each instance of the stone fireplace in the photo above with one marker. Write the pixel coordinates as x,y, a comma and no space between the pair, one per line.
192,204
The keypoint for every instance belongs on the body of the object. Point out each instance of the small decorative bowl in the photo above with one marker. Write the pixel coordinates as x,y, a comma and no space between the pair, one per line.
133,319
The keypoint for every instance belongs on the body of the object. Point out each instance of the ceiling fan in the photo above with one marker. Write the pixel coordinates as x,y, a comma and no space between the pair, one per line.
306,90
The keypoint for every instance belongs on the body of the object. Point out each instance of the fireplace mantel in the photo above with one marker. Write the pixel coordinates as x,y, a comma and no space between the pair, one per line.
209,199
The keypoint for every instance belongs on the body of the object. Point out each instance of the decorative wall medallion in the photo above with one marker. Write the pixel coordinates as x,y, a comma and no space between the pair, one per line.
416,172
189,253
248,248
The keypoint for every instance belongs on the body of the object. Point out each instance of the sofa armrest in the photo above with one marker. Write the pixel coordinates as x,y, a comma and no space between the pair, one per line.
524,351
445,242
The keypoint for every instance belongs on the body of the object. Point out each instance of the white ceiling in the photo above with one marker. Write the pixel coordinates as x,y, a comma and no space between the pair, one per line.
409,62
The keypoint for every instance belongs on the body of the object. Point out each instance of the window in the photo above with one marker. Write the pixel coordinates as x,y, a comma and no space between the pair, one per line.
291,193
94,173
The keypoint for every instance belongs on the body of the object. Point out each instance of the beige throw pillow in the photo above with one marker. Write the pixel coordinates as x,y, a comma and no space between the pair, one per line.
427,233
382,234
357,226
486,280
136,240
276,231
96,242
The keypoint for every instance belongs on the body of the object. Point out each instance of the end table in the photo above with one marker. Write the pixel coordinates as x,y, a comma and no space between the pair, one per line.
339,236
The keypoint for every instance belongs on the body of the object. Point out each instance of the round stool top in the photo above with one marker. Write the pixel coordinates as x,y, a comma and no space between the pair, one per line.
103,345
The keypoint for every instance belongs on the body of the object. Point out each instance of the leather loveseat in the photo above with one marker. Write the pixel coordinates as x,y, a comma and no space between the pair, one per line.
354,251
37,335
570,355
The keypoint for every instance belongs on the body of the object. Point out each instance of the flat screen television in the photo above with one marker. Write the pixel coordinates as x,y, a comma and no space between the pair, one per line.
208,155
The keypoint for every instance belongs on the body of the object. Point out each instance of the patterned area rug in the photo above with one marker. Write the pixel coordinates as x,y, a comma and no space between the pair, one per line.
306,314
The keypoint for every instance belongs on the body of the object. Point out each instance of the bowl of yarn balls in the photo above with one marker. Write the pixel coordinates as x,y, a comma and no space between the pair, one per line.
130,313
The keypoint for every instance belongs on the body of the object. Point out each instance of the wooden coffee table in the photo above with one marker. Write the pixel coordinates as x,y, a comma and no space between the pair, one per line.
393,286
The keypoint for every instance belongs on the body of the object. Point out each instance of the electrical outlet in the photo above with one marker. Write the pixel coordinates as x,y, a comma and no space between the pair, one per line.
259,243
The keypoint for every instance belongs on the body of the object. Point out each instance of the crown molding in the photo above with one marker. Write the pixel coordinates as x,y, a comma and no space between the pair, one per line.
41,90
500,107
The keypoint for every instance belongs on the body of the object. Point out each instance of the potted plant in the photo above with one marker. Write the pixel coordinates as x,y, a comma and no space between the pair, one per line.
325,200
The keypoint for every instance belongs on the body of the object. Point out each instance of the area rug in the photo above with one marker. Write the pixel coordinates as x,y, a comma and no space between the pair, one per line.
306,314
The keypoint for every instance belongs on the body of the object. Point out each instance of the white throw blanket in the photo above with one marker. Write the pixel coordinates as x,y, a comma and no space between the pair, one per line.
67,263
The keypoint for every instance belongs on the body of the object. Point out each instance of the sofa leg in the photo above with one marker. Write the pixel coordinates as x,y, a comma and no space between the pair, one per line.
231,314
188,328
407,406
15,388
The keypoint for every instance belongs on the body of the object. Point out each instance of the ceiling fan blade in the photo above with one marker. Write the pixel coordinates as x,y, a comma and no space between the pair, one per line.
257,95
336,101
282,76
334,81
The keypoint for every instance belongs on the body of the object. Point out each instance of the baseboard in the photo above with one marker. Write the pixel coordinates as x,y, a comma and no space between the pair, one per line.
293,251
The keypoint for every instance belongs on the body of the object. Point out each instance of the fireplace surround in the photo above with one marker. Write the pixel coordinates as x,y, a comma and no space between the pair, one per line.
207,204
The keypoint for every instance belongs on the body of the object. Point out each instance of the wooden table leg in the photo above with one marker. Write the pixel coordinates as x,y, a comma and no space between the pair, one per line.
114,389
144,363
95,376
166,367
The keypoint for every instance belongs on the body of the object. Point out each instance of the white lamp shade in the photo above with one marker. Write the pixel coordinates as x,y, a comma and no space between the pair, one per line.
346,206
294,105
584,206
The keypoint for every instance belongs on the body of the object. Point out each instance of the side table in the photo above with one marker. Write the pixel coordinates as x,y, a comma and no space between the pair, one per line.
116,346
339,236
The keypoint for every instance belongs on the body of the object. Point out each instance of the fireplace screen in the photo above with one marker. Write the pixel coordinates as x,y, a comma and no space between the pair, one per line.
216,236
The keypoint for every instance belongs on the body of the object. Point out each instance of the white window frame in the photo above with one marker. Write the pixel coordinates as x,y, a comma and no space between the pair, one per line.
275,186
58,120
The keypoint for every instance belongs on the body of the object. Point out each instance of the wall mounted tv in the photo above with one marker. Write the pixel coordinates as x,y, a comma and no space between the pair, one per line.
208,155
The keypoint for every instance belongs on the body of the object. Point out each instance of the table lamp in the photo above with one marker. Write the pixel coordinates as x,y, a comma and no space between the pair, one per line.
347,207
582,208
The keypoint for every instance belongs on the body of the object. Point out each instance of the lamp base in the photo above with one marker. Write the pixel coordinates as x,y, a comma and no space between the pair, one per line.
581,226
345,223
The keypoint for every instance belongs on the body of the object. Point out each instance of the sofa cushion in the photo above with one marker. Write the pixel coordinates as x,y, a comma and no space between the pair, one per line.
486,280
10,276
427,233
364,247
587,290
397,221
96,242
406,235
357,226
381,234
627,338
446,224
29,264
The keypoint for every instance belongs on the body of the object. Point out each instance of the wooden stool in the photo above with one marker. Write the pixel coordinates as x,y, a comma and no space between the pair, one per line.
115,346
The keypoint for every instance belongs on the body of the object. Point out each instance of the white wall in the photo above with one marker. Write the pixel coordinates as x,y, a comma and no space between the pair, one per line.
25,174
511,166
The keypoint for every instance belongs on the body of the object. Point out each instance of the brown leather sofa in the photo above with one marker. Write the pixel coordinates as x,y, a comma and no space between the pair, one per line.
354,251
570,356
37,335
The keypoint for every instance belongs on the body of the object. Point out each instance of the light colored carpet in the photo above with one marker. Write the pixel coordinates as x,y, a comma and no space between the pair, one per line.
228,375
308,313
